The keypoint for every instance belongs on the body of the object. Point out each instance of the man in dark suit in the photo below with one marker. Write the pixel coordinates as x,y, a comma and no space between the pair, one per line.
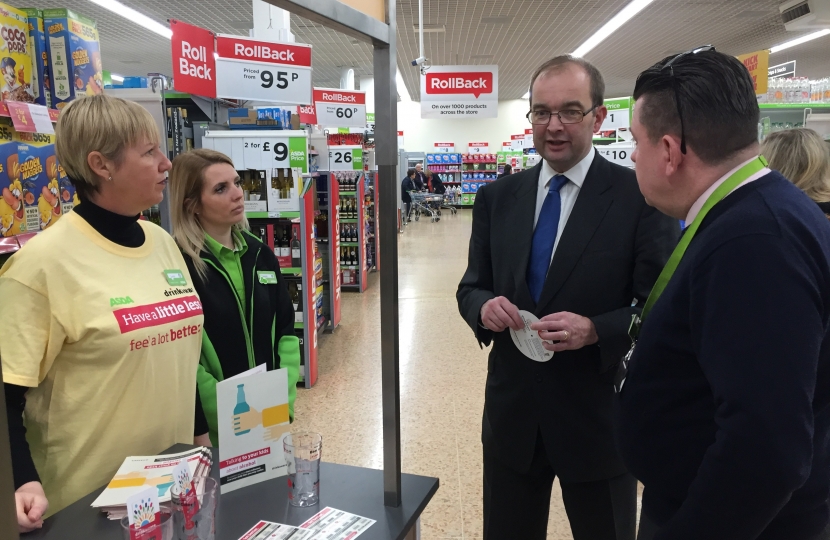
573,242
420,179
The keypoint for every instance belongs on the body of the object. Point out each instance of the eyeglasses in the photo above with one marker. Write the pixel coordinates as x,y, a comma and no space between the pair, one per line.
668,66
568,116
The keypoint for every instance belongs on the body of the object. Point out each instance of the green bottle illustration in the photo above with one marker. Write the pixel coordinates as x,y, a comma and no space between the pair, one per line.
241,406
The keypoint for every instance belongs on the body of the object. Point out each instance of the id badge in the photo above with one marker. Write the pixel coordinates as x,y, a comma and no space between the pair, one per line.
622,370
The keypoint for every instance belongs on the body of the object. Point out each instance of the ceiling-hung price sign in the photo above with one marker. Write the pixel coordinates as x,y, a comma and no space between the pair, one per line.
757,63
517,142
307,114
194,66
618,153
478,148
263,70
444,148
346,158
617,120
460,92
342,108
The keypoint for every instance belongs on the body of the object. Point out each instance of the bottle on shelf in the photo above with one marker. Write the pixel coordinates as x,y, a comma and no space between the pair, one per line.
285,244
353,256
296,261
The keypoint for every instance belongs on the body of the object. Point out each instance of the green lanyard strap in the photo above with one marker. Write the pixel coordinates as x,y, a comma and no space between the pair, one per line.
740,176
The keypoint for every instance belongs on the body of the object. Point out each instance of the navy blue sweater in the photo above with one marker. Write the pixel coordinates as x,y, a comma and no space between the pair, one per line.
725,414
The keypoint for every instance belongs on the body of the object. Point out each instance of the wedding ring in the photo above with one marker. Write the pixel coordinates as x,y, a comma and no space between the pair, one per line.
567,335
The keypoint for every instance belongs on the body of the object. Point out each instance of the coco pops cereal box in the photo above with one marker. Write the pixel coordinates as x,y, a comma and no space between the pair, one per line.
74,56
15,56
39,178
12,212
40,57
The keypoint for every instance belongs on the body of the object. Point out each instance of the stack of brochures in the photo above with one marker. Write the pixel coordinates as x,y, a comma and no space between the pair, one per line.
137,473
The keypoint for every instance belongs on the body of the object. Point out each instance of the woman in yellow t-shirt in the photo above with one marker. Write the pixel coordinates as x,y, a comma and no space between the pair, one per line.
101,325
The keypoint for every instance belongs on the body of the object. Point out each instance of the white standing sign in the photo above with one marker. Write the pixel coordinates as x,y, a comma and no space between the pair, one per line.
253,421
340,108
460,92
263,70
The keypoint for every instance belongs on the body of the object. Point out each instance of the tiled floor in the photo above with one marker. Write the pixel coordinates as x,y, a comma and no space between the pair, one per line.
443,373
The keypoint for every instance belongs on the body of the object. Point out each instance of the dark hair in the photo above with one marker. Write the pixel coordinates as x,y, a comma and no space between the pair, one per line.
508,169
410,172
558,62
717,97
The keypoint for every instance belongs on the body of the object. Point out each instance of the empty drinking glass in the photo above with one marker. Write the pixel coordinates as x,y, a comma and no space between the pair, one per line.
302,455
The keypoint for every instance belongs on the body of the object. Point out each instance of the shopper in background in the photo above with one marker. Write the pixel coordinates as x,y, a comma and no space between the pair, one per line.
573,242
420,179
802,156
249,315
407,185
725,410
508,170
83,365
435,183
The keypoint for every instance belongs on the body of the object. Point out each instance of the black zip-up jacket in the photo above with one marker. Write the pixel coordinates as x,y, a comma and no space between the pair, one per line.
241,333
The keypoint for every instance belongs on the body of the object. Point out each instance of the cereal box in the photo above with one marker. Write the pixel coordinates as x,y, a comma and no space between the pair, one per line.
40,63
15,59
12,213
69,197
39,178
74,56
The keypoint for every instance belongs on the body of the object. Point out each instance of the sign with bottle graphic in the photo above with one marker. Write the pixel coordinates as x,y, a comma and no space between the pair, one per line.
252,411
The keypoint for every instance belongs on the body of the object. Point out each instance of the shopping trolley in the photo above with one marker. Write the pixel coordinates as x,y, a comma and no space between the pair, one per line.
426,203
446,204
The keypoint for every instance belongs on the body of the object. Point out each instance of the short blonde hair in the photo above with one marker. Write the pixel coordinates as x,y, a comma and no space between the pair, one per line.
187,178
803,157
103,124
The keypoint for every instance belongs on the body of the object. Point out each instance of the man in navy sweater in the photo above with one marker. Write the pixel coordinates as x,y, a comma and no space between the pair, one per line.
724,412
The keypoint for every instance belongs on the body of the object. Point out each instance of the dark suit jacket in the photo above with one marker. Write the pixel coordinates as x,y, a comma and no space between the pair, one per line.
611,252
420,180
406,186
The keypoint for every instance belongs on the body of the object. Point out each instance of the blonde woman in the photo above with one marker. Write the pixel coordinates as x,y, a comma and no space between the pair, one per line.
249,316
91,374
803,157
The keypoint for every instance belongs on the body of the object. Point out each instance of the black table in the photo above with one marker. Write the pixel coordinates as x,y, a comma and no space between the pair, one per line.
352,489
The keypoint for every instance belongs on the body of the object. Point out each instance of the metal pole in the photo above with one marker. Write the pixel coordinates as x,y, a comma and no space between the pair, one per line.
386,141
8,513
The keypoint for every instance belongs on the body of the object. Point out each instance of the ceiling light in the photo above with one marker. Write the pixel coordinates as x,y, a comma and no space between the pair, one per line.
116,78
611,26
138,18
527,94
402,91
799,41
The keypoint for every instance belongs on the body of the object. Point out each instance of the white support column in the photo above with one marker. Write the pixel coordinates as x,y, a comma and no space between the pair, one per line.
271,23
346,78
368,86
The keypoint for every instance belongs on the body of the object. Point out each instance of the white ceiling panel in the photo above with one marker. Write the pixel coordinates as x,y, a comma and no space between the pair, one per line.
517,35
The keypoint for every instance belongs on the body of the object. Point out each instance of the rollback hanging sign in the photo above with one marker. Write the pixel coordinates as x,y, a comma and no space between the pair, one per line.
460,92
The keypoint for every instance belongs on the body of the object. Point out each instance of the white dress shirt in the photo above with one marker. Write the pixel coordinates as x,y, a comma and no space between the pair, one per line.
568,194
698,205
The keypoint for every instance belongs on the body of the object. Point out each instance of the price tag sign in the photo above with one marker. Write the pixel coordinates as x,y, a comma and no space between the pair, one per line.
478,148
266,153
263,70
346,158
445,148
619,154
343,108
619,114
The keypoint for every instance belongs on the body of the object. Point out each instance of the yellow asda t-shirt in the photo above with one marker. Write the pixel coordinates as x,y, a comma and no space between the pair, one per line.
108,338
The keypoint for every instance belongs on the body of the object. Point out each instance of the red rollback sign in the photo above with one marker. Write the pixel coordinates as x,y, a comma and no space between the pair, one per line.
467,82
193,62
247,49
308,114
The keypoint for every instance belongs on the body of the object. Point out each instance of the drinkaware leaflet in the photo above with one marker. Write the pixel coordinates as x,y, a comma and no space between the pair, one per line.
253,421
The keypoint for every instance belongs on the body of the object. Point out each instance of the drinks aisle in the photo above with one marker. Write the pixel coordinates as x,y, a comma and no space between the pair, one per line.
443,373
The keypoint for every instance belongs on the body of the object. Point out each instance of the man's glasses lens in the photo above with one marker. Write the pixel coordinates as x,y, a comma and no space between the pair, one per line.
566,117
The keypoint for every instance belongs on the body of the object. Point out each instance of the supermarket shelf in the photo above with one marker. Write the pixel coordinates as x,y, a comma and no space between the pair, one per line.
348,220
477,162
356,287
349,244
348,193
272,215
795,106
292,271
299,326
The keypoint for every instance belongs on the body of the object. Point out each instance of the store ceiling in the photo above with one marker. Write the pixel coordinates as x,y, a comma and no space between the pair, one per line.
517,35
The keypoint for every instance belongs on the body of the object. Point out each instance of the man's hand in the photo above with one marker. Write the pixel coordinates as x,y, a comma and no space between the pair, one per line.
570,330
31,505
498,314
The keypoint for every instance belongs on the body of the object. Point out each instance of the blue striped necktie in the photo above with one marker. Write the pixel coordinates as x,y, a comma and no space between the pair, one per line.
544,237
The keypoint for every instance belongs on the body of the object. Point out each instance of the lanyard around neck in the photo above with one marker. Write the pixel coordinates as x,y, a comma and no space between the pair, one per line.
729,185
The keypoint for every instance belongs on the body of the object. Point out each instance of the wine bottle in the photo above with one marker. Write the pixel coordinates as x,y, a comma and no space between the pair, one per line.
295,251
285,244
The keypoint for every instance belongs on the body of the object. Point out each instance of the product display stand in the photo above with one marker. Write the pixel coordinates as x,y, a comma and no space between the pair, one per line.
371,221
346,163
478,170
295,251
328,227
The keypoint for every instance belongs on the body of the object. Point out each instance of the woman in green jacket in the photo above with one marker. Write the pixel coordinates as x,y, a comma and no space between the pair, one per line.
249,316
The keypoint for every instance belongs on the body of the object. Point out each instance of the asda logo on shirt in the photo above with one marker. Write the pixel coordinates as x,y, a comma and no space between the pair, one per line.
121,301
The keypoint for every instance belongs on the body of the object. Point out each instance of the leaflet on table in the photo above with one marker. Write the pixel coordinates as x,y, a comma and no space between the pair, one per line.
139,472
333,524
253,420
265,530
